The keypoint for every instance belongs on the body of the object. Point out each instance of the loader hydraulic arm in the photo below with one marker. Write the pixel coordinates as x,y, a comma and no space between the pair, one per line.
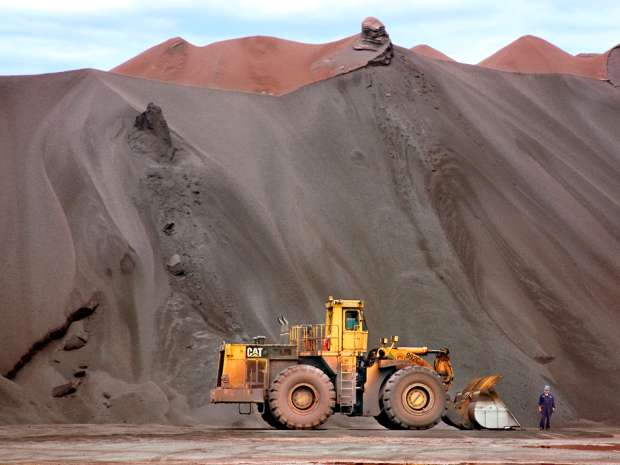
385,351
442,364
425,350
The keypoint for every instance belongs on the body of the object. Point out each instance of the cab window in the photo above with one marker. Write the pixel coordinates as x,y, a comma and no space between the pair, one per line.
351,320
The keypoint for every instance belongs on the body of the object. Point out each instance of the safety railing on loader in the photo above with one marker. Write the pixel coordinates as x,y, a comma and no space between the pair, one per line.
314,338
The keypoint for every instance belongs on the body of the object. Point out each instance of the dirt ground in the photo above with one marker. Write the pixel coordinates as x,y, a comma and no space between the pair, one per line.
89,444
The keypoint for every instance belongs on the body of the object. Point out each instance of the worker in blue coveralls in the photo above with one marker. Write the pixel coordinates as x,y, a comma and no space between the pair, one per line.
546,406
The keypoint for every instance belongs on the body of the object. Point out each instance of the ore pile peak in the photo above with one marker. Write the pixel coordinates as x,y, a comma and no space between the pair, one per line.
374,37
373,31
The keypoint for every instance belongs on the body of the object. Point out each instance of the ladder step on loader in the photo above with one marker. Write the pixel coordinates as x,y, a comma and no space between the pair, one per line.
347,384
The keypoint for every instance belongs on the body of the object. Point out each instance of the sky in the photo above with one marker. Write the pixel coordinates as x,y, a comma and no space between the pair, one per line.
39,36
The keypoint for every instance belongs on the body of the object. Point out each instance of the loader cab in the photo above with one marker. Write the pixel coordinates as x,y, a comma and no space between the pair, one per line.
346,326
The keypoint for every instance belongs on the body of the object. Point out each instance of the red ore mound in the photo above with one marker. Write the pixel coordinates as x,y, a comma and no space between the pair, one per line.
260,64
530,54
430,52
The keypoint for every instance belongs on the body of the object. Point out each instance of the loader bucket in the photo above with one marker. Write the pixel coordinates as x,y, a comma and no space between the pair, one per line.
478,406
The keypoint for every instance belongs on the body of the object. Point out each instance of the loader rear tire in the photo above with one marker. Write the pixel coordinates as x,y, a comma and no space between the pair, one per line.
302,397
414,398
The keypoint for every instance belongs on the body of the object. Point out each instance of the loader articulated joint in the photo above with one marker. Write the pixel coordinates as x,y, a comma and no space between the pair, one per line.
371,358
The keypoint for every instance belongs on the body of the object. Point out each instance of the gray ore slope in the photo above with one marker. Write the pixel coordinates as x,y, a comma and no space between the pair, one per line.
470,208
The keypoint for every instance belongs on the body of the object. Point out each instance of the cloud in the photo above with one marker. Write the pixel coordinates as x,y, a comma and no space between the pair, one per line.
66,6
328,9
236,8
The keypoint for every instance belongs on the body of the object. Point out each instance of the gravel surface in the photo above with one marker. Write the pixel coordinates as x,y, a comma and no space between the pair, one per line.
86,444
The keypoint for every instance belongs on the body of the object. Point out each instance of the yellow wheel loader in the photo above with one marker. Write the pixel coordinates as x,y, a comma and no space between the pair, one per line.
327,368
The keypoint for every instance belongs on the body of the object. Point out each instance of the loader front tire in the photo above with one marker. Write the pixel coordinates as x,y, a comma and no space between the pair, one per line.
384,421
302,397
268,418
414,398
